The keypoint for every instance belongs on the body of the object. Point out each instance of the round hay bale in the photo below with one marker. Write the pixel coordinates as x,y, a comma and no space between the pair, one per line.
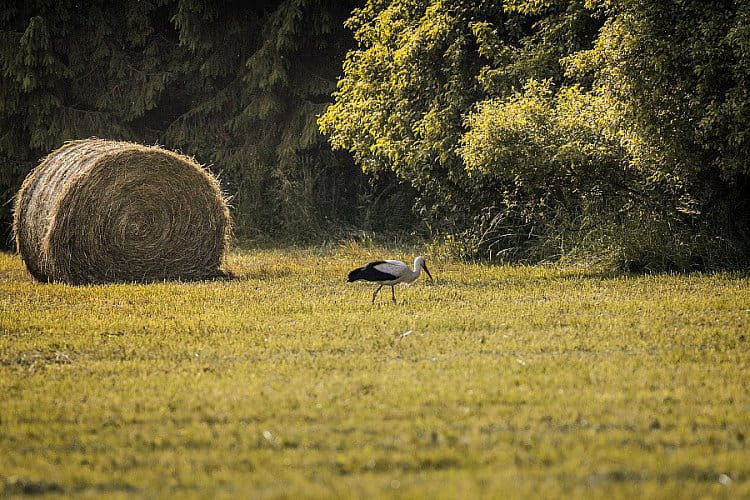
98,211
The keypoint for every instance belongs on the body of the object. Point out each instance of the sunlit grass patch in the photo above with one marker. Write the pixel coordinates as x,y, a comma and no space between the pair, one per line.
285,381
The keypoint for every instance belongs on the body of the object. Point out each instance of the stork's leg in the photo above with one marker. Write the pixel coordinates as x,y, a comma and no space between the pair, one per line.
376,292
393,293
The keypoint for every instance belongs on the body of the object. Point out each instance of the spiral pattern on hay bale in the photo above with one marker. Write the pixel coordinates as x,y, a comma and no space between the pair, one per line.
99,211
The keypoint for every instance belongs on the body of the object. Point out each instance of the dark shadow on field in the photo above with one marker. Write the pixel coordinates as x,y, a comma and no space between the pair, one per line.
563,273
256,273
611,275
35,487
630,269
618,275
21,274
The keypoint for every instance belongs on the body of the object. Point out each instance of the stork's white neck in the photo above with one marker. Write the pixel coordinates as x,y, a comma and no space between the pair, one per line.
418,262
418,265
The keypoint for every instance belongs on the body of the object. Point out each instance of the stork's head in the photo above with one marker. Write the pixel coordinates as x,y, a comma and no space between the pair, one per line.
419,262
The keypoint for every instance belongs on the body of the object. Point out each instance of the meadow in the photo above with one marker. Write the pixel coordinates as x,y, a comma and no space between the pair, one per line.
495,381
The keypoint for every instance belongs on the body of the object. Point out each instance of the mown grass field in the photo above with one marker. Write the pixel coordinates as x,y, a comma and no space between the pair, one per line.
286,382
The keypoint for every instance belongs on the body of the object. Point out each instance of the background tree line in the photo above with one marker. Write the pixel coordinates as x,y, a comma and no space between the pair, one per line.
520,130
238,85
543,128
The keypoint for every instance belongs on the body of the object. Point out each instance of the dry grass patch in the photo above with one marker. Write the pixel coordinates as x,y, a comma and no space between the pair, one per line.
286,382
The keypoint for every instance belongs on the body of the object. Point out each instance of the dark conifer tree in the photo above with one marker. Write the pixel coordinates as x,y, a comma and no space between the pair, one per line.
236,84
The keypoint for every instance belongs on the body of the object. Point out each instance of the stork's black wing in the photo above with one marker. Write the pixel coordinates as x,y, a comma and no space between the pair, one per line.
370,273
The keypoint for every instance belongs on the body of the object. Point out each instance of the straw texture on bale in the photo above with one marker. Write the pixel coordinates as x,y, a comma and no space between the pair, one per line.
98,211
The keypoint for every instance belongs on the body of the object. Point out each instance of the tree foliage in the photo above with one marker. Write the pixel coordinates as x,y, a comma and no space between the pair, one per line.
536,128
401,102
236,84
268,84
530,129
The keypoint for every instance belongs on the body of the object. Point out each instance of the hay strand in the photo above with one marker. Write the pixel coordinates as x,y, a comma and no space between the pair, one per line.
98,211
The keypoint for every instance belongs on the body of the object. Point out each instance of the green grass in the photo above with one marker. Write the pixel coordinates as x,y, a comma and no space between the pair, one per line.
286,382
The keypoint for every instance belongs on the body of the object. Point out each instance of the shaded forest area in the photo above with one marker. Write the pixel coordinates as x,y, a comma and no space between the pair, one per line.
238,85
523,130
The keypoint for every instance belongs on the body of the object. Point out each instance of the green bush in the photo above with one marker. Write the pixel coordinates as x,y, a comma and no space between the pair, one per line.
539,129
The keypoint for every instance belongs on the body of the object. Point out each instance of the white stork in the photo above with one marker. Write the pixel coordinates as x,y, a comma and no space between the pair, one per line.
389,272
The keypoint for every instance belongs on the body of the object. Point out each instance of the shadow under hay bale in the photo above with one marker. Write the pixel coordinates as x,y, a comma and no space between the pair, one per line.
98,211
